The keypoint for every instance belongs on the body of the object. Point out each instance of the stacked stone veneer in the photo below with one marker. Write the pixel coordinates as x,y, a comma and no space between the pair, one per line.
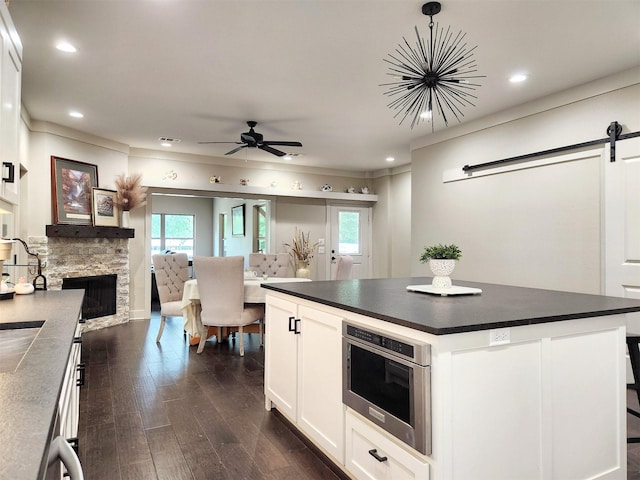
64,257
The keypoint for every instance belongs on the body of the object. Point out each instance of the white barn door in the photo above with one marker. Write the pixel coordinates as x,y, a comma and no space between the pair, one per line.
622,220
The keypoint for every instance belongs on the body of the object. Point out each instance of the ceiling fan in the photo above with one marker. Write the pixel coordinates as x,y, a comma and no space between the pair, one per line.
253,139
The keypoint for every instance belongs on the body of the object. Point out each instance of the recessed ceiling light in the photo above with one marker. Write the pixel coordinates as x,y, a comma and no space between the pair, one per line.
66,47
390,159
518,77
75,114
165,144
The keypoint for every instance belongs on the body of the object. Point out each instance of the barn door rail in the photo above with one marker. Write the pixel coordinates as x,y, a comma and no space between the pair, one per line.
614,130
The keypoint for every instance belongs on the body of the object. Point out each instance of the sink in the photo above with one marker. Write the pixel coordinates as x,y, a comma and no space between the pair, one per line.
15,340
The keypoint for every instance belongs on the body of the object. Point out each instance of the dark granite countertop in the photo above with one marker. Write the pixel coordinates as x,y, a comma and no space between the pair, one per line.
497,306
29,395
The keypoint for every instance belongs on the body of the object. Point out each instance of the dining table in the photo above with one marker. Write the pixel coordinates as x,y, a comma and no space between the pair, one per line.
253,293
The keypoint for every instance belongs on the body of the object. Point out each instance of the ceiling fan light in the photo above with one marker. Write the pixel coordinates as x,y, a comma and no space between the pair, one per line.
427,114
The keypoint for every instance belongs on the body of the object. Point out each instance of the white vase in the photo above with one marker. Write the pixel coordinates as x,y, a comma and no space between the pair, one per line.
125,219
302,270
441,269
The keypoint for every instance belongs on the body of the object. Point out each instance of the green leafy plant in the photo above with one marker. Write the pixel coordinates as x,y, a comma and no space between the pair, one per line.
441,252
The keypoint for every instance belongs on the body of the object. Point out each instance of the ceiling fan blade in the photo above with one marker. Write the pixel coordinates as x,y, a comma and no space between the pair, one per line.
273,151
286,144
237,143
235,150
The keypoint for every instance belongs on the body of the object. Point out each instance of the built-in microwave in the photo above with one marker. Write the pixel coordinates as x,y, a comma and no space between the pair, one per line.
387,379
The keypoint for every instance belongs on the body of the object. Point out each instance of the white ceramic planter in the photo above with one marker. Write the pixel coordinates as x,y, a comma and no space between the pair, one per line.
303,270
441,269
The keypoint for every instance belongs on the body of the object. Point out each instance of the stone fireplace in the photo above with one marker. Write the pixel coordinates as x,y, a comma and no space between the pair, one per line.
85,256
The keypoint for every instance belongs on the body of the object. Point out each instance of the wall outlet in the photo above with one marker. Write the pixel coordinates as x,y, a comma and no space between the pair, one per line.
499,336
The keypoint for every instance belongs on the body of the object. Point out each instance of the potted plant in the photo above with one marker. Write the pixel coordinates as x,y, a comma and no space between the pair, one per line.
302,251
442,260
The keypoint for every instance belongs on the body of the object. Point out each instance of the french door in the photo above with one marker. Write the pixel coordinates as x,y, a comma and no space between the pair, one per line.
350,235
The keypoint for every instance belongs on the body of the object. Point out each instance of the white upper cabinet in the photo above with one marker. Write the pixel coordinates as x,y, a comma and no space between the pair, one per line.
10,83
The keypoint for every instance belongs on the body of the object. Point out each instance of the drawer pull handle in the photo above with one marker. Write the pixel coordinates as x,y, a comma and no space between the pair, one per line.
374,454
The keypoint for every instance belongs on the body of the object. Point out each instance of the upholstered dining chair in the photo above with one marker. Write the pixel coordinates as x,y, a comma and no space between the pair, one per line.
343,268
172,271
221,287
273,265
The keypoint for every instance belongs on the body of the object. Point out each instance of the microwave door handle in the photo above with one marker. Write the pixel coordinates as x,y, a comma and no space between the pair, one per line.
60,449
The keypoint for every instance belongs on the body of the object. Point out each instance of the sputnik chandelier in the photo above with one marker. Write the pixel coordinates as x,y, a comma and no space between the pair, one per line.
437,74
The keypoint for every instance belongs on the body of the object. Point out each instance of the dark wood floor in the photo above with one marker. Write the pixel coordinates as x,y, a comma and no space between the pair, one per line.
152,411
160,411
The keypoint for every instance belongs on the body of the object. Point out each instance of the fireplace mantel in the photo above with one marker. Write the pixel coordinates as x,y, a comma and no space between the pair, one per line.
88,231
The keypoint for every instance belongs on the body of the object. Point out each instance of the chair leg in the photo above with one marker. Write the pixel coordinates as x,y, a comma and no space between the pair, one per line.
241,334
161,329
203,336
262,332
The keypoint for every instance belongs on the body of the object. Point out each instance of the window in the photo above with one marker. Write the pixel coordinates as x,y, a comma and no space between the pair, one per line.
348,232
174,232
260,228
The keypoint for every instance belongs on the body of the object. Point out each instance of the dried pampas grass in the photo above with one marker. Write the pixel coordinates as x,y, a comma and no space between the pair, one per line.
130,193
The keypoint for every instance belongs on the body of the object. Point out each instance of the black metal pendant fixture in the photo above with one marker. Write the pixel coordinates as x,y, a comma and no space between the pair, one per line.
437,74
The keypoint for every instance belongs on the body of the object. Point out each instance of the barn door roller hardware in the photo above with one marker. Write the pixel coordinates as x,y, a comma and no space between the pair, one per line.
614,130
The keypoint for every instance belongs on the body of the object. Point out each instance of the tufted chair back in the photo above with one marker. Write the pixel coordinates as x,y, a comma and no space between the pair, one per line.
172,271
274,265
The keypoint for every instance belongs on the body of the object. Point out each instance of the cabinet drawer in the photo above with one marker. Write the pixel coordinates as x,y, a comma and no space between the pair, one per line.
362,438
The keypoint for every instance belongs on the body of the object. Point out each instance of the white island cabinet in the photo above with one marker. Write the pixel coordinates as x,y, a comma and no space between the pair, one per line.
303,371
542,397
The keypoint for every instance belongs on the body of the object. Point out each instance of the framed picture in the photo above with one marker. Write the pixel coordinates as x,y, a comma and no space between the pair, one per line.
237,220
71,184
105,208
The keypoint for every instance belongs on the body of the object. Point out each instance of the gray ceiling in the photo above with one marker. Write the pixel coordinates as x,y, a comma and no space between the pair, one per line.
305,70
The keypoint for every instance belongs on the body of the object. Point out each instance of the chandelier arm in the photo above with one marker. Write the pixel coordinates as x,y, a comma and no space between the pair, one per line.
454,101
414,53
408,60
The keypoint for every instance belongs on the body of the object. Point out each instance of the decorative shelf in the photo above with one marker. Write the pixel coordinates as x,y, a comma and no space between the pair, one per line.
88,231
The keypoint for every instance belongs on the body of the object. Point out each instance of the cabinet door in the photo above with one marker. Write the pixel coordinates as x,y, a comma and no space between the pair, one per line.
281,353
9,117
320,408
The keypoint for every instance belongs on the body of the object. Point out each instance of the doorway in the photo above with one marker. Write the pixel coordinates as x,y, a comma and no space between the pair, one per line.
350,235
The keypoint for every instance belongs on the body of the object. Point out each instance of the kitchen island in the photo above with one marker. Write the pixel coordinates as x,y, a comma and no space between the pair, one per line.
30,393
525,383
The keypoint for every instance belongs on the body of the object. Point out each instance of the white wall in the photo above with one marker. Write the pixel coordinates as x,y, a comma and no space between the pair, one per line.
537,227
